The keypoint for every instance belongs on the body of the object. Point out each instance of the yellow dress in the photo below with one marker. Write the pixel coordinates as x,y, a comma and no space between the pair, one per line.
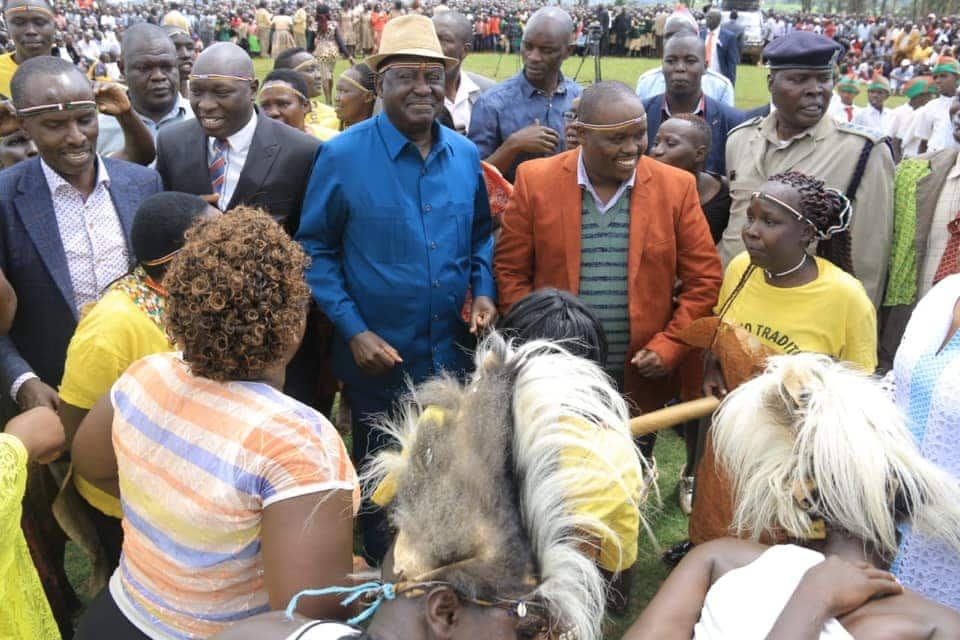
25,610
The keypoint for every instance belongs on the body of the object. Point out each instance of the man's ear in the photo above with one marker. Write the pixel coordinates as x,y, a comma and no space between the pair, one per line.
254,87
378,84
701,153
443,612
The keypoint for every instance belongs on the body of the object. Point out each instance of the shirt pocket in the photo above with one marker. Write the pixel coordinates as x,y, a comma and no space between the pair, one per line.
384,236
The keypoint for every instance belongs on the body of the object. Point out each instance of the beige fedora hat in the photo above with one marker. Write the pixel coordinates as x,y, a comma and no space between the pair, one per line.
411,35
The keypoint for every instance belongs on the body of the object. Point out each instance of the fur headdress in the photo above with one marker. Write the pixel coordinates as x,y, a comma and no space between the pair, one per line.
480,492
813,439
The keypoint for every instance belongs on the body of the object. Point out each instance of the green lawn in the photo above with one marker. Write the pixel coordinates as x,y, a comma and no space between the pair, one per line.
751,88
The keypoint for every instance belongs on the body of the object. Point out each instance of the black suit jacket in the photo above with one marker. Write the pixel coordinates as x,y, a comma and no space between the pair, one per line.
273,178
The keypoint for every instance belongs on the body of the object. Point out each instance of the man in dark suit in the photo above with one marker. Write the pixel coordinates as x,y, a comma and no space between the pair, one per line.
683,68
722,50
209,156
65,221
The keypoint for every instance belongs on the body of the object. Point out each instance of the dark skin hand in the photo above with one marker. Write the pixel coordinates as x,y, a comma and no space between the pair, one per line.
829,590
533,139
483,315
35,393
139,146
8,118
649,364
374,355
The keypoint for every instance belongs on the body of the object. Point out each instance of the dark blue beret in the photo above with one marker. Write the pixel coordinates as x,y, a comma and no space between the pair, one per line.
802,50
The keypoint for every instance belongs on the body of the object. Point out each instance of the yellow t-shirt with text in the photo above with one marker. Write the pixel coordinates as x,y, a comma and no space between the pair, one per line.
831,315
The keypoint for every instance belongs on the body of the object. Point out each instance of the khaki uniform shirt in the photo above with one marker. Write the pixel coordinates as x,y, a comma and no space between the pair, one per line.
828,151
264,19
300,21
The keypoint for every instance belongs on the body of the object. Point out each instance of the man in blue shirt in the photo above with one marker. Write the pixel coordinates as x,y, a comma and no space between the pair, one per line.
397,222
522,117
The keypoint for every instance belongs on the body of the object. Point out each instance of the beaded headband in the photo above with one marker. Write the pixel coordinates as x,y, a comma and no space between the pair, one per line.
77,105
305,63
356,84
217,76
842,225
162,260
612,127
279,84
29,9
411,65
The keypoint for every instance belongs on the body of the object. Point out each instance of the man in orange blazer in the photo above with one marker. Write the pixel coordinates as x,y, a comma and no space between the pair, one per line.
618,229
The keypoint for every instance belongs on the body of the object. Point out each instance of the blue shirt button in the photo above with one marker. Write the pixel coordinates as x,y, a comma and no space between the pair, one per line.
433,245
427,208
436,284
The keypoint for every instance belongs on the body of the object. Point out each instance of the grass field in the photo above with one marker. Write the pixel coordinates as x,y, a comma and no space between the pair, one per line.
751,88
668,523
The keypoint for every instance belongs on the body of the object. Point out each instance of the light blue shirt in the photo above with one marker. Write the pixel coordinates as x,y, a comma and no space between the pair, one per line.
714,84
515,104
110,140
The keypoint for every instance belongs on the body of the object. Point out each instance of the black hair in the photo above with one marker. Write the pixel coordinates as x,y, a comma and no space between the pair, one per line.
39,68
604,93
291,77
558,316
822,208
159,225
368,79
284,57
703,129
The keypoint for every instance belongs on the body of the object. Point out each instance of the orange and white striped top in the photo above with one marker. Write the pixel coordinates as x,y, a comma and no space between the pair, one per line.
198,462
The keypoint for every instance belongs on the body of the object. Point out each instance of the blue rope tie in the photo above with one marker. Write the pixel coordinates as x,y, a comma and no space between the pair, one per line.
384,591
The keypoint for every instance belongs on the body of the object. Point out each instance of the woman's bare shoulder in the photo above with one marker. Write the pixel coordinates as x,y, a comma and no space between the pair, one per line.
908,616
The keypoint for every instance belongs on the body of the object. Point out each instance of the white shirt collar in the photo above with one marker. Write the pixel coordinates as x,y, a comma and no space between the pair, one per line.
241,140
467,86
55,181
583,180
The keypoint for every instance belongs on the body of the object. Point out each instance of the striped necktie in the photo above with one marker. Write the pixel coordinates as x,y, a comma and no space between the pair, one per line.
218,165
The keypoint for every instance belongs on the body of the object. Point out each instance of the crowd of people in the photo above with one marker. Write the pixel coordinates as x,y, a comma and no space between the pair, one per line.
384,354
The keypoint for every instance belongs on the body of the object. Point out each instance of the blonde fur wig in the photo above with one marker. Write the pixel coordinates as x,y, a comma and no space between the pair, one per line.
811,438
480,492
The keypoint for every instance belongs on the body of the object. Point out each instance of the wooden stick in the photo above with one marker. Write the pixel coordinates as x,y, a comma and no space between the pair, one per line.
672,416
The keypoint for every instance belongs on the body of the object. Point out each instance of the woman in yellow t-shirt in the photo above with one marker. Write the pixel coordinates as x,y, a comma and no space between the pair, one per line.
790,301
125,325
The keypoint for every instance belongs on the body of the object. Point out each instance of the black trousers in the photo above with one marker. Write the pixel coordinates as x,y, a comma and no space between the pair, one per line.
103,619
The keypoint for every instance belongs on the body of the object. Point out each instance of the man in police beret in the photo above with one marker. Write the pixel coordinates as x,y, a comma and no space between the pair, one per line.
797,136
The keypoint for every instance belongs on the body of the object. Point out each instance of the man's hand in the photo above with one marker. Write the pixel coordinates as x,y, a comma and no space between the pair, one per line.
35,393
649,365
483,315
111,98
41,432
373,354
9,123
535,139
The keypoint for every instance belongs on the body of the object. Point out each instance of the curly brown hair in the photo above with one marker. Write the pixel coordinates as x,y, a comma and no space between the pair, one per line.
236,295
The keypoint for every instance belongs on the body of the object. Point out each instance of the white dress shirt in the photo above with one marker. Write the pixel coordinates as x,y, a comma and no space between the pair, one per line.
877,121
932,123
712,53
236,158
460,108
